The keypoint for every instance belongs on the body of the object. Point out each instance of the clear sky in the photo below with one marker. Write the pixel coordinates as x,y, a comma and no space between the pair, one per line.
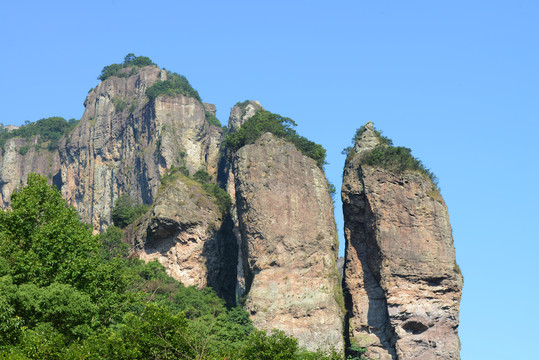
456,81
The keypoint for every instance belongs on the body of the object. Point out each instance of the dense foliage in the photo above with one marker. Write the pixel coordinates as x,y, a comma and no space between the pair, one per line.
264,121
394,158
130,61
174,85
126,211
49,130
66,294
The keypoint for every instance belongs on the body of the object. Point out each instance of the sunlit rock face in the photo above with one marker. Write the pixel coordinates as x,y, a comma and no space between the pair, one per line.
125,142
288,243
402,284
20,157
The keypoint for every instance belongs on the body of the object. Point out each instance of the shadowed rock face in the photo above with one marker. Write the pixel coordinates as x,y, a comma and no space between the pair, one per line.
402,284
124,143
185,231
288,243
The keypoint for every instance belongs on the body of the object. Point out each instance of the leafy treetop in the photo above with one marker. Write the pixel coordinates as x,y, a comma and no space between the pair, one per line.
264,121
49,129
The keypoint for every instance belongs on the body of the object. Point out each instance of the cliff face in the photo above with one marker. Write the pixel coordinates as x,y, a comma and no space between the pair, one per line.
124,143
288,243
185,231
239,114
401,280
277,248
15,167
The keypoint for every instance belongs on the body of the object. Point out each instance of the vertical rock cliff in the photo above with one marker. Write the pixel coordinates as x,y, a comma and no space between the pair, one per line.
288,242
239,114
16,164
125,142
276,248
402,284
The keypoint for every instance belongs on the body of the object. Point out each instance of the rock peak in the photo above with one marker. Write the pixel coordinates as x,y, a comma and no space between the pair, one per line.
366,138
241,112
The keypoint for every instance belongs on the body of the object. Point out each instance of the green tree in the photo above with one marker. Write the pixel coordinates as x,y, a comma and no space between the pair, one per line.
42,238
174,85
50,130
277,346
126,211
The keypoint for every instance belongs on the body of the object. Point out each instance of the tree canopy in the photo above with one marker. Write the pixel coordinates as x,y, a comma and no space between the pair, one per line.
50,130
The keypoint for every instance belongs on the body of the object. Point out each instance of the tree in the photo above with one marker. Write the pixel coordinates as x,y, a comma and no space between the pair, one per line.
42,238
126,210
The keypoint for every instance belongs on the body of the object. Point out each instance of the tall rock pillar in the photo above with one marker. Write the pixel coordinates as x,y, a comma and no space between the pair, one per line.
401,280
288,243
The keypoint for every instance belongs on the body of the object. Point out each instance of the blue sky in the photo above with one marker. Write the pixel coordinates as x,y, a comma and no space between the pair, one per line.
456,81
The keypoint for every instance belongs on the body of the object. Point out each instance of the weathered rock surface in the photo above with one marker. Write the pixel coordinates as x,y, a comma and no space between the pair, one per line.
242,112
124,143
402,284
185,231
288,243
15,167
239,114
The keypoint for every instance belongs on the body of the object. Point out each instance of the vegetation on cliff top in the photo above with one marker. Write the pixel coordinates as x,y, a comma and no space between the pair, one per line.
50,130
130,61
174,85
395,158
66,294
220,196
264,121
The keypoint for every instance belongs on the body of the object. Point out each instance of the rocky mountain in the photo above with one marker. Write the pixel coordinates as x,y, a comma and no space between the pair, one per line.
402,283
254,219
125,142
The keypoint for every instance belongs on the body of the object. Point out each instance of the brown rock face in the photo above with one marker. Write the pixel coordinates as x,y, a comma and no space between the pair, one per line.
185,231
239,114
288,243
124,143
15,167
402,284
